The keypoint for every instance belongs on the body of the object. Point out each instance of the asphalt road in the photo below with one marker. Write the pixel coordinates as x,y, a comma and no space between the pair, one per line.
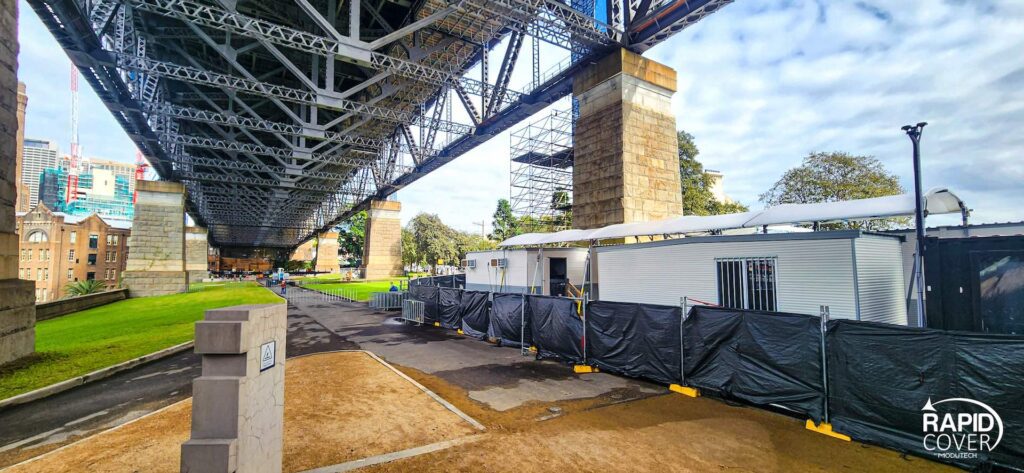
48,423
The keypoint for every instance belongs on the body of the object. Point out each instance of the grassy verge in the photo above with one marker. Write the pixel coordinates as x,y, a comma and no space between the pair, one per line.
88,340
362,288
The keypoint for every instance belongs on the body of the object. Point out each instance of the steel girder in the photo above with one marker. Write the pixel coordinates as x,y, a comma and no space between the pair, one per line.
285,117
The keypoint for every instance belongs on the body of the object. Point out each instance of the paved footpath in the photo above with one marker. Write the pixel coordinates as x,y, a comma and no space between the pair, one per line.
97,406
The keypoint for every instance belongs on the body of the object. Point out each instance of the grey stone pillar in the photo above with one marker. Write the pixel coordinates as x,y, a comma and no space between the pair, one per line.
238,402
196,254
17,297
156,246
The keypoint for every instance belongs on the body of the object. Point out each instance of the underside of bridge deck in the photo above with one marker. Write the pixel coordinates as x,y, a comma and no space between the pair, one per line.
282,118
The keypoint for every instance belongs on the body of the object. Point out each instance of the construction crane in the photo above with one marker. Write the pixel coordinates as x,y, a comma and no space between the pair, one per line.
72,187
140,173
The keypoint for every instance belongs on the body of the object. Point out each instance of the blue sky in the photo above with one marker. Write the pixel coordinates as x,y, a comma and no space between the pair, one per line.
761,84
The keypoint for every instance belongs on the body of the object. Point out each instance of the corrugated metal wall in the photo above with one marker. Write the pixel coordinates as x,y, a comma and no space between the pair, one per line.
811,273
880,279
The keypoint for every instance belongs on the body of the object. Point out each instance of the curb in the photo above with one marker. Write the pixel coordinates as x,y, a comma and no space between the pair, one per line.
90,377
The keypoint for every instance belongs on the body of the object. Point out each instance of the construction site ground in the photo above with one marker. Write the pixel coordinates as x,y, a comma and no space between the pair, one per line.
539,415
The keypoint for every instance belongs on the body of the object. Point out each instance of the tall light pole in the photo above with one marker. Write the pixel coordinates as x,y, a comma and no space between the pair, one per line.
914,132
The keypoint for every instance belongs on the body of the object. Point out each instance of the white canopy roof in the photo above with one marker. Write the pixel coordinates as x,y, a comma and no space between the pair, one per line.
937,201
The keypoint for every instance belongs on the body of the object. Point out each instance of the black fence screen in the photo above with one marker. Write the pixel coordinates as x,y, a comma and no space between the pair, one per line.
474,314
884,379
428,296
507,314
557,328
638,340
449,301
760,357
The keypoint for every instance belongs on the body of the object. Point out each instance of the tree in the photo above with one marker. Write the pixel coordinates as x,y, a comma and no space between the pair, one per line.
505,224
696,184
434,240
833,177
410,255
474,242
85,287
351,237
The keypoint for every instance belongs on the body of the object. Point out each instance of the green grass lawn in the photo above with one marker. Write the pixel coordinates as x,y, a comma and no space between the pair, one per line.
362,288
86,341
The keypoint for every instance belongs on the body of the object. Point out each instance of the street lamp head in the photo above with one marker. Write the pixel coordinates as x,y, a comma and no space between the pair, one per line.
922,124
906,128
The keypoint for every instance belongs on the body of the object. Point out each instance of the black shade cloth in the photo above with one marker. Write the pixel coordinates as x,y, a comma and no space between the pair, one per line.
881,376
557,328
506,319
474,314
638,340
759,357
448,302
428,296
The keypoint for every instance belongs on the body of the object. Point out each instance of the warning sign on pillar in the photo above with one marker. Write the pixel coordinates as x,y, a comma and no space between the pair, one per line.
267,355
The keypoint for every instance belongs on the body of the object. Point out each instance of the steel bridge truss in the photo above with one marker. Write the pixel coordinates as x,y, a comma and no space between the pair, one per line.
285,117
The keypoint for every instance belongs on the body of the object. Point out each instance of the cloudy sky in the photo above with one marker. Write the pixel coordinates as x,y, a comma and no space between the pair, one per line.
761,84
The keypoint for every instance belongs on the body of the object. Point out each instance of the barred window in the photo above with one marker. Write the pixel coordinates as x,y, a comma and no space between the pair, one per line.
747,283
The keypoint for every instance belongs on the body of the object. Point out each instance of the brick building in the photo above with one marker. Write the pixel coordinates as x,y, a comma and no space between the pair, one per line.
55,249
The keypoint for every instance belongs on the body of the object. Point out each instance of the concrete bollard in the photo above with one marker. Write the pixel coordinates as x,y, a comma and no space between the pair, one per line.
238,402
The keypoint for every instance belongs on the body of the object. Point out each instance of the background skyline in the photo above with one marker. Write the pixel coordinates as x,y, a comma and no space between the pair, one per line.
761,84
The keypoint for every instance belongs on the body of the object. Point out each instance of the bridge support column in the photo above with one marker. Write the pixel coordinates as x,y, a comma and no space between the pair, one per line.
156,246
626,162
196,251
327,253
382,249
17,297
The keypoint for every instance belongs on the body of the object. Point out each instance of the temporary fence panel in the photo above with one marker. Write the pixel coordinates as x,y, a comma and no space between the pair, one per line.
557,328
760,357
883,378
474,314
412,311
448,302
391,300
506,320
638,340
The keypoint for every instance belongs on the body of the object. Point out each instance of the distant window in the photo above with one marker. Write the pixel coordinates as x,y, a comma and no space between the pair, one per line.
71,255
92,258
72,238
747,283
38,236
94,241
39,274
90,276
71,274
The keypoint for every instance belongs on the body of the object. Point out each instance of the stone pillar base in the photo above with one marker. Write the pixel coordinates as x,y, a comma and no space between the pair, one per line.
238,402
382,250
197,276
17,319
155,283
327,253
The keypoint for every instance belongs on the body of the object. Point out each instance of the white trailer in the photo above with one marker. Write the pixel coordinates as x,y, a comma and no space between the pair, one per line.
516,270
858,275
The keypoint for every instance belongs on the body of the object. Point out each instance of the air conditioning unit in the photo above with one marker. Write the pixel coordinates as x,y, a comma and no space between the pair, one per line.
499,263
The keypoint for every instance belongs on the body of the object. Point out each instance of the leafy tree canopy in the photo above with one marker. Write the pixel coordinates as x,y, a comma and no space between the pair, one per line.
351,237
434,240
505,224
836,176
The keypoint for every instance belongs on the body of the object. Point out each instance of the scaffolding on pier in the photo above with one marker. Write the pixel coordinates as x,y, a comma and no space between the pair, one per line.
541,173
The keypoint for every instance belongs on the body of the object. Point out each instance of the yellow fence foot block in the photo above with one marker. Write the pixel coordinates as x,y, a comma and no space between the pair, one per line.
437,324
533,349
684,390
825,429
585,369
459,331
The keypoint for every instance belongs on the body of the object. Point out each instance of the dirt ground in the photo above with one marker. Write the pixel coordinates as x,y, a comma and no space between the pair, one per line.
341,407
338,407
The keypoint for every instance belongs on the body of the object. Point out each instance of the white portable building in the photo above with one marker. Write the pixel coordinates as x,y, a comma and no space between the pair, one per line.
516,270
858,275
